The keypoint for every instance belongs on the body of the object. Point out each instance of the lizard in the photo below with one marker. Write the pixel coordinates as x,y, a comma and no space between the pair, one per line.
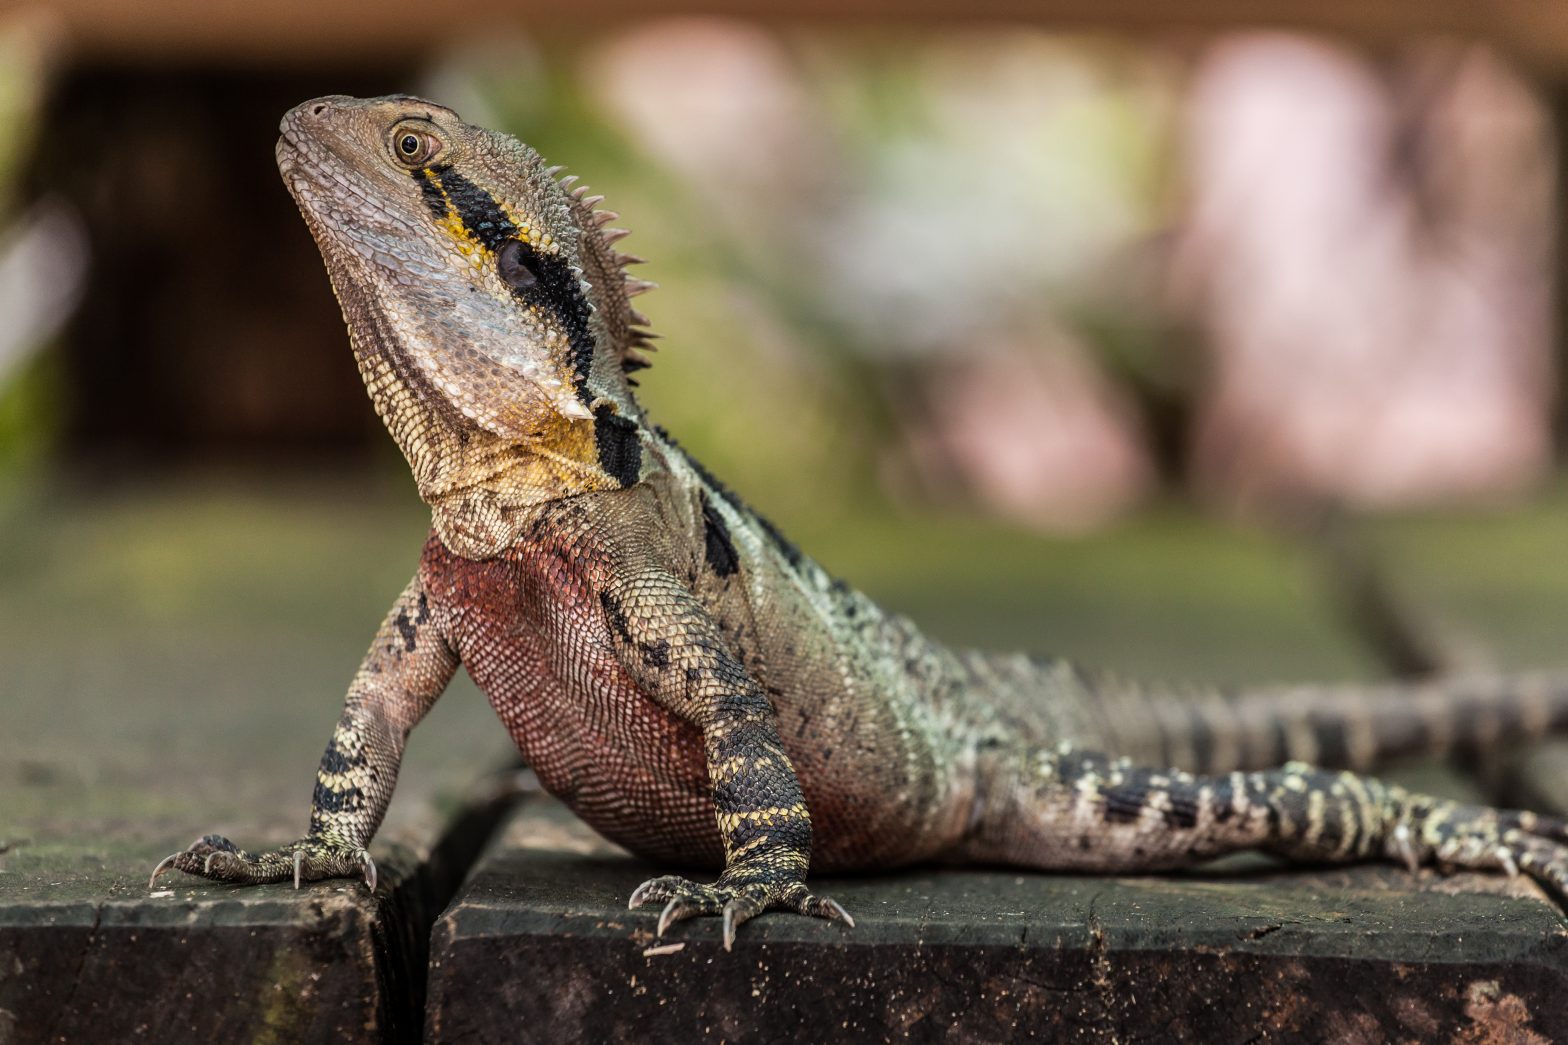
693,685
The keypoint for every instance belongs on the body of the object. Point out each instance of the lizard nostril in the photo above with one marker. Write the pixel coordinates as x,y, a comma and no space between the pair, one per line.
318,108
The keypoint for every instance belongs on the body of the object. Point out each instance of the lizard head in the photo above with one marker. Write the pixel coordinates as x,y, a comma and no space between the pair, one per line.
489,312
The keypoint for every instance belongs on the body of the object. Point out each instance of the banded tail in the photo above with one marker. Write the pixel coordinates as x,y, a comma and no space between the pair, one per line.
1335,726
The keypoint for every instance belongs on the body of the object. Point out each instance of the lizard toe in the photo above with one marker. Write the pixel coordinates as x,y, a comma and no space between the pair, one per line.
679,909
735,903
802,901
671,887
737,912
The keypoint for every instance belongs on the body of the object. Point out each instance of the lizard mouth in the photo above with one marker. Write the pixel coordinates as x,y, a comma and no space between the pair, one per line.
292,156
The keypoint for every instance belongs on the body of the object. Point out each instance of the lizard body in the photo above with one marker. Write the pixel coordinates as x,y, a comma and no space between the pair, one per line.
693,685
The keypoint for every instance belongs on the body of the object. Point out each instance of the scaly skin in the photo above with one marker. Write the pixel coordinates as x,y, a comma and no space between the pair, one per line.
688,681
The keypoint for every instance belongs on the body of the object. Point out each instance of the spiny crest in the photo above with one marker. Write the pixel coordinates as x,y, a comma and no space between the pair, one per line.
606,269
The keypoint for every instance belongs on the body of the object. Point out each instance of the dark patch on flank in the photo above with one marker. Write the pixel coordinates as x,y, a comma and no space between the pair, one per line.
405,628
719,548
656,654
791,553
615,615
709,480
423,616
693,673
619,445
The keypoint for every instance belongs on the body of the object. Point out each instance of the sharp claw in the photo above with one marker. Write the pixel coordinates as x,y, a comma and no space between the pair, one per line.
729,925
669,915
299,861
639,896
370,873
163,865
838,911
1404,848
1507,860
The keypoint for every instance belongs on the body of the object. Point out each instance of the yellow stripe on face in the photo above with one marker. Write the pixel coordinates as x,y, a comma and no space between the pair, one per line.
469,244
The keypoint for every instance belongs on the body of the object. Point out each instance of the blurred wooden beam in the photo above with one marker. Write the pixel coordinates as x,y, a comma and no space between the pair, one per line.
309,31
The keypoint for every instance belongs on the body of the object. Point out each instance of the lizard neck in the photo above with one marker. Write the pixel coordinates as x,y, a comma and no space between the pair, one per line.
480,485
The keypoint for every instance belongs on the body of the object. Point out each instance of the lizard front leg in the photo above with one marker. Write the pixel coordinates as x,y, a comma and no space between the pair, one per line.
407,668
675,652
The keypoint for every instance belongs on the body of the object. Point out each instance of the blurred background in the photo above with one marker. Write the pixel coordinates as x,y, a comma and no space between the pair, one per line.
1039,322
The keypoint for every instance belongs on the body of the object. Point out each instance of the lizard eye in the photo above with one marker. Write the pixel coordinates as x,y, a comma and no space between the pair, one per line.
414,146
515,265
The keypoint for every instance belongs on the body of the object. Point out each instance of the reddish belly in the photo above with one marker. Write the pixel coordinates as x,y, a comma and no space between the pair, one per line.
535,641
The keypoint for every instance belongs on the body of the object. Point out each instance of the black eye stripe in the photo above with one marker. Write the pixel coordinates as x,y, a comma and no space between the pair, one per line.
555,286
477,209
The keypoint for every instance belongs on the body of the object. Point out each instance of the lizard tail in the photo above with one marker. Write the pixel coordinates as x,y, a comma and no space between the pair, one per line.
1349,726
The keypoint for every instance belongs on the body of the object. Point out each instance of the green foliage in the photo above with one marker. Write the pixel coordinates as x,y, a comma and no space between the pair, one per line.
31,415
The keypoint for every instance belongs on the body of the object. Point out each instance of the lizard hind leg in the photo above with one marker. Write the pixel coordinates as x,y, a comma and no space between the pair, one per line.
1070,810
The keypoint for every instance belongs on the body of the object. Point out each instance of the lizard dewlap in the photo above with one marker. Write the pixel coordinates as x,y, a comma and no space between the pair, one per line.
692,684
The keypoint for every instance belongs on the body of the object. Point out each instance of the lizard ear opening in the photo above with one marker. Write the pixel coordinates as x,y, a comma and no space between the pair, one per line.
515,264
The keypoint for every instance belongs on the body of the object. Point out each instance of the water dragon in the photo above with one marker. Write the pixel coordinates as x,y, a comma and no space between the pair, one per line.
693,685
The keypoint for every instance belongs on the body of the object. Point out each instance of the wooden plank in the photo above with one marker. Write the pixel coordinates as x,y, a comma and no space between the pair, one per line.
540,947
171,666
297,31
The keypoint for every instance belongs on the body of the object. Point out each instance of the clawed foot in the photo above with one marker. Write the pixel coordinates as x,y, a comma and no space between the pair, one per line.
1454,836
307,860
737,903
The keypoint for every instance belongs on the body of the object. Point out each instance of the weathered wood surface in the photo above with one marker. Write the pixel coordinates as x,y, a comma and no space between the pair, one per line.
166,671
170,666
539,946
88,953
